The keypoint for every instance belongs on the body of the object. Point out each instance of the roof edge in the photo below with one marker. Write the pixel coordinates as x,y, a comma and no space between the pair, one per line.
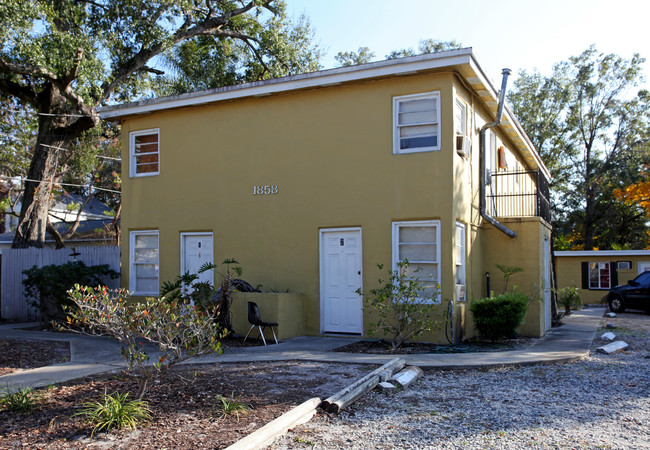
602,253
326,77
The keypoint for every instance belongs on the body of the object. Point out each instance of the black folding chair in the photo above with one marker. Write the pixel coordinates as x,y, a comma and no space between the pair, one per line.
255,319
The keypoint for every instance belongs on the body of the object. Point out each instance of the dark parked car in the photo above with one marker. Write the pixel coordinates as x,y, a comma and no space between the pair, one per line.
635,294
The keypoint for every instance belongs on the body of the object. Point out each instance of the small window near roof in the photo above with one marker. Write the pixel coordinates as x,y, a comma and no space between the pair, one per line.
460,119
624,265
416,123
145,153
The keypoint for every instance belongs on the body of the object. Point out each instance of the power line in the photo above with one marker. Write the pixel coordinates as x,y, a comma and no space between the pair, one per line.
87,186
53,115
61,148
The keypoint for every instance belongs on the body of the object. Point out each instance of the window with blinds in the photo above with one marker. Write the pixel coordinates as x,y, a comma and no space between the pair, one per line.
145,153
419,243
416,120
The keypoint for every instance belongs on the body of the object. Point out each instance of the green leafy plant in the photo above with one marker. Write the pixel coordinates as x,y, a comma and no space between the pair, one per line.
115,411
179,330
500,316
404,304
569,298
508,272
20,400
48,286
231,406
203,294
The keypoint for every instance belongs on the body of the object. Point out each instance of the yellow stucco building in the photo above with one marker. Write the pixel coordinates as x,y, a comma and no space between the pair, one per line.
312,180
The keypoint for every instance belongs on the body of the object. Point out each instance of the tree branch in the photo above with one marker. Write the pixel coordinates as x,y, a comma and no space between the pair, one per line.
75,225
209,26
55,234
24,69
24,93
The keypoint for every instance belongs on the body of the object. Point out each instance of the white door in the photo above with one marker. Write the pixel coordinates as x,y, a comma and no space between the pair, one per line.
547,284
340,271
196,250
644,267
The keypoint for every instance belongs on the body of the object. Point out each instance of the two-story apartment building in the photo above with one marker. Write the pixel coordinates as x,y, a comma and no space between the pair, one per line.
312,180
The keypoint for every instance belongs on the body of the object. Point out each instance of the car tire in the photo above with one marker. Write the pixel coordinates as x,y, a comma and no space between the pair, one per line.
616,304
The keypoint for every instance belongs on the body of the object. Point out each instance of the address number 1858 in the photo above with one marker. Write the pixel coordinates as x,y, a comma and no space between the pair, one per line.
265,190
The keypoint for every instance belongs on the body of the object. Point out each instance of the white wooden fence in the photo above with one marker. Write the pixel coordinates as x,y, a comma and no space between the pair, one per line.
13,303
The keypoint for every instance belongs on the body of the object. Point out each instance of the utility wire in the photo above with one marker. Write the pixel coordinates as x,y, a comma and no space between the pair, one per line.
61,148
88,186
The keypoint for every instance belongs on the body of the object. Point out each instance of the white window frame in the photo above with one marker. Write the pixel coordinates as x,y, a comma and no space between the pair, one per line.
132,155
601,266
460,116
396,139
419,223
461,248
132,264
623,265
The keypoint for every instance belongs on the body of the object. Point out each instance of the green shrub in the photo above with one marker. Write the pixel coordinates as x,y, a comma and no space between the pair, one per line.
179,330
569,298
48,286
404,305
21,400
115,411
500,316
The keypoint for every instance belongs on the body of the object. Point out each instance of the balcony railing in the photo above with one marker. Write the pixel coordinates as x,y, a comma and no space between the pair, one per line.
518,194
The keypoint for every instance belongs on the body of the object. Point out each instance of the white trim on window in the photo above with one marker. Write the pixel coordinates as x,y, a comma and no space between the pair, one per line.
144,253
423,245
600,275
460,116
144,169
460,256
416,123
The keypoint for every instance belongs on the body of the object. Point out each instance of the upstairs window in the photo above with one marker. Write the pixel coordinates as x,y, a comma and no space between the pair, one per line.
460,119
145,153
416,123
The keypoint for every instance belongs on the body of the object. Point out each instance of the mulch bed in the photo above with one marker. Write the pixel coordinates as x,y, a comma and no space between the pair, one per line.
184,404
378,346
23,354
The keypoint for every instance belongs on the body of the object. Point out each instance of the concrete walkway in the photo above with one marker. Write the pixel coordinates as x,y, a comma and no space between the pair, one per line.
92,355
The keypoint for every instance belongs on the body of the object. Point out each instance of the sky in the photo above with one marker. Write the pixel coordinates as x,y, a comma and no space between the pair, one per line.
517,34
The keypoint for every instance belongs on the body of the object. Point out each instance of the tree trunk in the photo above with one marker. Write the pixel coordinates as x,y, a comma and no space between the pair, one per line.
38,192
58,127
590,219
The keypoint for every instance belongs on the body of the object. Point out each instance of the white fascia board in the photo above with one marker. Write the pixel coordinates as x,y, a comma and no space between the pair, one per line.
587,253
304,81
493,94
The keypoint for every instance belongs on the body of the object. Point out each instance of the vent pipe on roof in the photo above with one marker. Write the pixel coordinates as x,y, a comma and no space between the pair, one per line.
482,158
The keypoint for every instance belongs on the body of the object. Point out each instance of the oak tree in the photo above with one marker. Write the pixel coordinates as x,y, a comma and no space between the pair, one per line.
591,130
62,59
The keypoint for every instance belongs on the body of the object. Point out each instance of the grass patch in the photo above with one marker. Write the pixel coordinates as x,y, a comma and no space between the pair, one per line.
231,406
21,400
115,411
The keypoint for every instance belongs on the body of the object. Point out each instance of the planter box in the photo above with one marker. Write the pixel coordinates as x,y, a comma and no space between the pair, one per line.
285,309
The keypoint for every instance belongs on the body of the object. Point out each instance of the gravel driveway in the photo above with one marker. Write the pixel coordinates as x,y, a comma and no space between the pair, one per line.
600,402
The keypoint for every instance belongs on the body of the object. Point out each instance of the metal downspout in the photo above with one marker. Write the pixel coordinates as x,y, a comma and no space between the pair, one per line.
482,195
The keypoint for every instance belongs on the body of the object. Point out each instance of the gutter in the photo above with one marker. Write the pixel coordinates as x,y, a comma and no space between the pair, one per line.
482,206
